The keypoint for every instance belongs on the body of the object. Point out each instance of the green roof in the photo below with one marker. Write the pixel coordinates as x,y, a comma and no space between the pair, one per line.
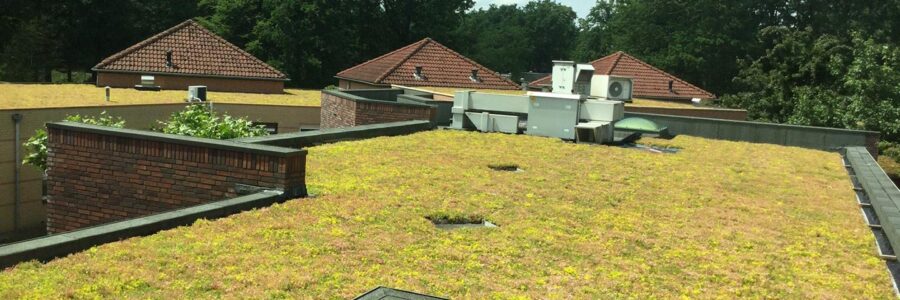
583,221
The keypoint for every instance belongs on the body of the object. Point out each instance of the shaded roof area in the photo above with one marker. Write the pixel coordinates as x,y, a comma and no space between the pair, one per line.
441,67
649,81
195,51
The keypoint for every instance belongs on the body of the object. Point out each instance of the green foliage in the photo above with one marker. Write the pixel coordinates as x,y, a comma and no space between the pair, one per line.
823,80
514,39
698,41
200,121
889,149
37,144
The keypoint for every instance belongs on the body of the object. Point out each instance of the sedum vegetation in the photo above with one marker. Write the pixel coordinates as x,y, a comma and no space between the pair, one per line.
718,219
72,95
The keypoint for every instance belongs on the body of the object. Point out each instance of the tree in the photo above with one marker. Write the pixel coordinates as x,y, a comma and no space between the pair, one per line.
408,21
497,38
552,31
514,39
699,41
593,33
823,80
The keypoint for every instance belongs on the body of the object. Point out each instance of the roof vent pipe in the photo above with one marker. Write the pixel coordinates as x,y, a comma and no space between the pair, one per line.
418,74
671,82
474,76
169,62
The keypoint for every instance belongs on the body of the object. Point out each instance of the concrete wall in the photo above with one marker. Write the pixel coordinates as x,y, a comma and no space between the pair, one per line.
712,113
99,174
341,109
770,133
174,82
32,211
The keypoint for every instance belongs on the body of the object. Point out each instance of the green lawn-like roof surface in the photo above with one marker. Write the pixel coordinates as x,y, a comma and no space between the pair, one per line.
718,219
18,96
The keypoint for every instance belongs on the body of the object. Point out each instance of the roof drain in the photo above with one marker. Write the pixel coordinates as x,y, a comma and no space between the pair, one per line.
506,168
17,119
445,221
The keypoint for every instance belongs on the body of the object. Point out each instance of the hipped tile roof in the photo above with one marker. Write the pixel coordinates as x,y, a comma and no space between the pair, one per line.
441,67
195,51
649,82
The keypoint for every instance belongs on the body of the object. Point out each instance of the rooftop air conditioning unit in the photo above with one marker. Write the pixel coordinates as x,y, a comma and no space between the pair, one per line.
612,87
570,78
196,93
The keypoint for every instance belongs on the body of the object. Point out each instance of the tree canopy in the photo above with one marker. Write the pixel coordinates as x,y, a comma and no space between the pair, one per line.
814,62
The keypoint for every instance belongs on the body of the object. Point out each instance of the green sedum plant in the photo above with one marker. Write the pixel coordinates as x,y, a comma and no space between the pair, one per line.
37,144
199,120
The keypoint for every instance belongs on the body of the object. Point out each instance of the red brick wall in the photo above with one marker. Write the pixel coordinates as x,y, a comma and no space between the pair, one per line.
342,112
96,178
337,112
170,82
374,113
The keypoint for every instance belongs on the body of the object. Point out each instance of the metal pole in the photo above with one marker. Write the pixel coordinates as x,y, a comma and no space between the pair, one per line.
17,118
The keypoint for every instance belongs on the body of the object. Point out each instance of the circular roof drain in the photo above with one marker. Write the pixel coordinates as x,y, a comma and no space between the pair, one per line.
506,167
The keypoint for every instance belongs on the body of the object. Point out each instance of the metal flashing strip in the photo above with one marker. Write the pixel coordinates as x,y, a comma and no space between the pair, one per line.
58,245
878,199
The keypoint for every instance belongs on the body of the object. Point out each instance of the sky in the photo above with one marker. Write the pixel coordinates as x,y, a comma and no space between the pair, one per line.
581,7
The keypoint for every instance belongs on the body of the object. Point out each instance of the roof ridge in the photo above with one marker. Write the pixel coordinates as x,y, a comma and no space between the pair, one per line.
187,26
668,75
390,70
618,57
377,58
142,44
507,80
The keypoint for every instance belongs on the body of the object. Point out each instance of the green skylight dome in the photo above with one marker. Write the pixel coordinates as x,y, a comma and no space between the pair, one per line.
639,125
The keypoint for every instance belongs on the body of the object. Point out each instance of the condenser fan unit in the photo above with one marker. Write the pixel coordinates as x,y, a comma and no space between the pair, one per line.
615,89
611,87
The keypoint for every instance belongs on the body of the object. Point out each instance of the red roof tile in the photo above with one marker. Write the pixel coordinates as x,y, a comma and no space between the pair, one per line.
441,67
649,82
195,51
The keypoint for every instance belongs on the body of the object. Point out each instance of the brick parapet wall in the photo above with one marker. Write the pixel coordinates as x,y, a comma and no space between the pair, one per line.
375,113
344,110
337,112
98,175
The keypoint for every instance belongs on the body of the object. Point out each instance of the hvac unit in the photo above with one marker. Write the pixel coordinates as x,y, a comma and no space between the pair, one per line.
612,87
570,78
148,83
196,93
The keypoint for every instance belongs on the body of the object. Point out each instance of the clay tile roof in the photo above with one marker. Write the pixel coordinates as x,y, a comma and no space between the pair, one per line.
441,67
649,82
195,51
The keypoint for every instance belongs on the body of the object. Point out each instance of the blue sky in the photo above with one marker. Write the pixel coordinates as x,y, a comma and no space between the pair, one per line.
581,7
